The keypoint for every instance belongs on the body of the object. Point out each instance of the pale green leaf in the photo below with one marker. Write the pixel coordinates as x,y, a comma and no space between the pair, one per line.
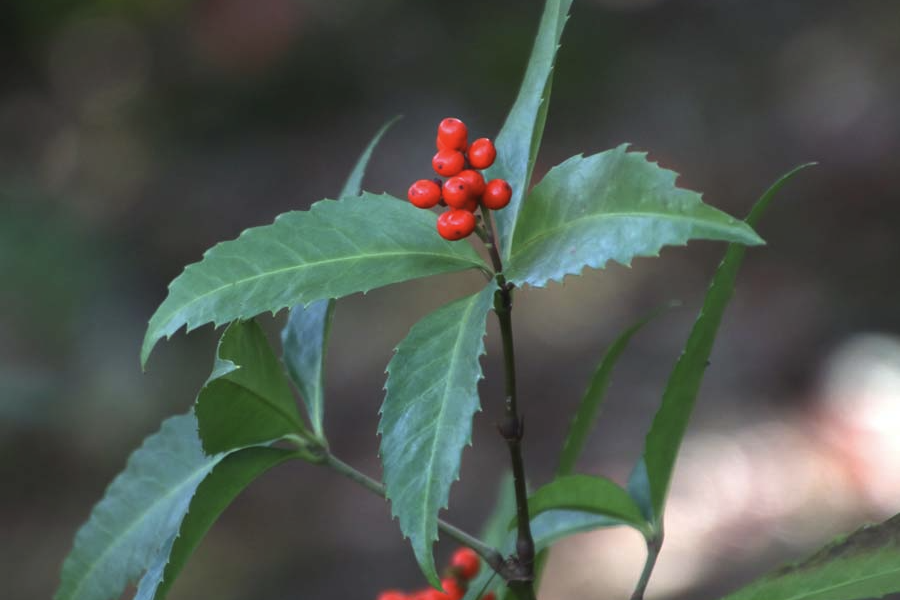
247,401
589,407
228,479
586,493
140,513
865,564
305,336
615,205
426,419
334,249
520,138
551,526
670,422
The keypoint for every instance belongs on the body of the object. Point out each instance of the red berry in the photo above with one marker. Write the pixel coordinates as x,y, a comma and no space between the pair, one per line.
475,181
424,193
471,205
455,224
452,590
429,594
448,162
452,133
482,153
489,596
466,563
457,192
496,194
392,595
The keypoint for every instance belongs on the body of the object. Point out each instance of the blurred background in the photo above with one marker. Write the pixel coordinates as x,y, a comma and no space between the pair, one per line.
134,135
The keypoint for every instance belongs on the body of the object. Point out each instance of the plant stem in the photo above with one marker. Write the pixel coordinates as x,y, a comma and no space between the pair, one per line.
654,544
491,556
512,428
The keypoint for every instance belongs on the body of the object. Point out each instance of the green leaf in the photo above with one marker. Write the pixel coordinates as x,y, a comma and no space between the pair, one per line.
304,340
586,493
353,185
615,205
140,512
426,419
520,138
551,526
334,249
589,407
670,422
228,479
865,564
305,336
494,533
247,400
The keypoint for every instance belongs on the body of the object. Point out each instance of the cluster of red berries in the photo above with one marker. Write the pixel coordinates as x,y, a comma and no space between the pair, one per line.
465,189
464,566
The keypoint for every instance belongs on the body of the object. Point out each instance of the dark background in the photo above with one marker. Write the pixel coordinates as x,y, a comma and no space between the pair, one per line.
135,135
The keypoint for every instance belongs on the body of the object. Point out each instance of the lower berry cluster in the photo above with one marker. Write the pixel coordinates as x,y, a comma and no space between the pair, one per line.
464,566
465,189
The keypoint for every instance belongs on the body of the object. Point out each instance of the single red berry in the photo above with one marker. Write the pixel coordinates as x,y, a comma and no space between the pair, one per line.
448,162
482,153
455,224
457,192
496,194
392,595
489,596
466,563
452,133
475,181
452,589
424,193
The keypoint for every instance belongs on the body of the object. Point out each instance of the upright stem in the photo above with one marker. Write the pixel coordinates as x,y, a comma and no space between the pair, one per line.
654,544
512,427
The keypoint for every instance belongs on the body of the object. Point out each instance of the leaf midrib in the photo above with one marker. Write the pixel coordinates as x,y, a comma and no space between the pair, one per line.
306,265
118,539
270,403
518,250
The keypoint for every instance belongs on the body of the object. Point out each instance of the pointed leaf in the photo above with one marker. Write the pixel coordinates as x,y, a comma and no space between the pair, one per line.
426,419
334,249
589,407
615,205
353,185
228,479
247,401
586,493
520,138
670,422
140,512
865,564
304,338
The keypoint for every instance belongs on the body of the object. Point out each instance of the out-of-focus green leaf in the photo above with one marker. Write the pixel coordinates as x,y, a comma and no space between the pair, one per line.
228,479
865,564
596,495
495,534
615,205
426,419
670,422
551,526
247,400
334,249
305,336
520,138
140,513
589,407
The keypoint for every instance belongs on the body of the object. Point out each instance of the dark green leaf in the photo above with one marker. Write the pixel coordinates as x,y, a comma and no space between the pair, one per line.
247,400
670,422
305,336
426,418
586,493
589,407
353,185
551,526
865,564
228,479
520,138
334,249
140,513
615,205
